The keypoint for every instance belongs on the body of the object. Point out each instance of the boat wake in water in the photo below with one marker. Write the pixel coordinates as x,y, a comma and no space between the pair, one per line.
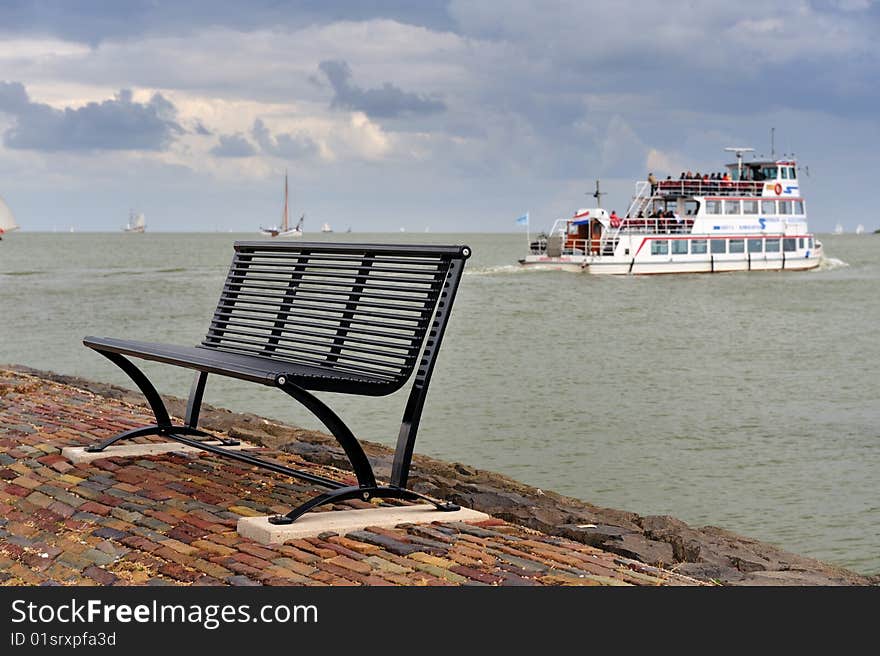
503,269
830,263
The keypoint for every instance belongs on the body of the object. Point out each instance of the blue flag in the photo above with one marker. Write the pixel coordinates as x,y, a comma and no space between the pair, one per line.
524,219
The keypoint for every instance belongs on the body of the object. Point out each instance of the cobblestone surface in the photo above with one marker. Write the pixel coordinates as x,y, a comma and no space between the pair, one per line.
170,519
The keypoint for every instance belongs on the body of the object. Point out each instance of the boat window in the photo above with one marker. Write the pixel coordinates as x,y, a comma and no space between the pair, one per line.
713,207
771,245
769,172
698,246
691,207
679,247
768,207
792,173
789,244
731,207
750,207
719,245
784,172
785,207
810,242
755,246
798,207
737,246
659,247
800,242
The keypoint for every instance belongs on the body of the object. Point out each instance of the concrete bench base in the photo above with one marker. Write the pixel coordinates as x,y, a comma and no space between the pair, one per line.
77,454
310,525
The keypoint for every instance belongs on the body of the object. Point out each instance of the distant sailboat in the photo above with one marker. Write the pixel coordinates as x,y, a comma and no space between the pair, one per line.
7,219
284,229
860,229
136,222
326,228
838,229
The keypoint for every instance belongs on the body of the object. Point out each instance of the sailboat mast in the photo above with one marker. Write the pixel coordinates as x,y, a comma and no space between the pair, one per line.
284,216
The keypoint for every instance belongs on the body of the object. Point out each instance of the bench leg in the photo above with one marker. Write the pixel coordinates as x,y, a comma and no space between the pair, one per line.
134,432
194,407
163,424
362,493
356,456
144,385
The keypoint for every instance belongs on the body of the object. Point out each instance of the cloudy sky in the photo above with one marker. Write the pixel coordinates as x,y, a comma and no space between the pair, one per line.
443,114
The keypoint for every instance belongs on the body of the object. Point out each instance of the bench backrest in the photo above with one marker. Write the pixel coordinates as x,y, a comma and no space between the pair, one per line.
360,309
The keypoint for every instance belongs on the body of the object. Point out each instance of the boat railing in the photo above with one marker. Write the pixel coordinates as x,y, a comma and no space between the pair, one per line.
576,247
641,199
708,188
658,225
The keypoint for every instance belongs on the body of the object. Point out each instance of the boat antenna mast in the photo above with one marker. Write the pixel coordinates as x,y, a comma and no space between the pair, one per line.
773,143
598,195
739,157
285,214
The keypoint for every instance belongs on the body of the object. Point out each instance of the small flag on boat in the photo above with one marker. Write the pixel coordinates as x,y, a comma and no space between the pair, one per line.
524,219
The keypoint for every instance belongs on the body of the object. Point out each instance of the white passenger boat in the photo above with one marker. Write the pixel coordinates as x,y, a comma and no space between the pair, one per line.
750,218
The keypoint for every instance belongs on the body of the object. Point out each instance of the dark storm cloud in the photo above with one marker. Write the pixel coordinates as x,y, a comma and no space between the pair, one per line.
388,101
283,144
233,145
200,129
93,21
117,124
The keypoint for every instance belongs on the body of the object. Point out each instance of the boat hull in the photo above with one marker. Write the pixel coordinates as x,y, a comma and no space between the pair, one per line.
609,265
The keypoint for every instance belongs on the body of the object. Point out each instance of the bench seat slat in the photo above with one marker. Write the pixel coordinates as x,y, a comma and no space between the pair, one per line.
323,249
329,369
420,286
276,293
293,263
289,345
283,275
247,367
276,301
374,291
335,257
410,335
400,344
291,309
223,316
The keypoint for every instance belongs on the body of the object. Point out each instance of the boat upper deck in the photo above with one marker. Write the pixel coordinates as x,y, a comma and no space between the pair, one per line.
690,187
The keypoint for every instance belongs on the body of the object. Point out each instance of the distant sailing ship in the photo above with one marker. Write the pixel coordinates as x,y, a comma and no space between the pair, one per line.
326,228
838,229
284,229
860,229
136,222
7,219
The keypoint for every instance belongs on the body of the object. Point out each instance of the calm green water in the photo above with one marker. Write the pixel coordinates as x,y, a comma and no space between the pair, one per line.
746,401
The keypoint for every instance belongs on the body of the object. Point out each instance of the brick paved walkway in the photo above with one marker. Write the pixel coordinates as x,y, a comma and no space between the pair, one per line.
170,519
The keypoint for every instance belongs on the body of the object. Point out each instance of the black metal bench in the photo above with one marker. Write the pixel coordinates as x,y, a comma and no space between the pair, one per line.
348,318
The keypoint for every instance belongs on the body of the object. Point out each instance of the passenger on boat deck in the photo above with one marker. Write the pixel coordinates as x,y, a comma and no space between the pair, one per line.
653,182
615,220
682,176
